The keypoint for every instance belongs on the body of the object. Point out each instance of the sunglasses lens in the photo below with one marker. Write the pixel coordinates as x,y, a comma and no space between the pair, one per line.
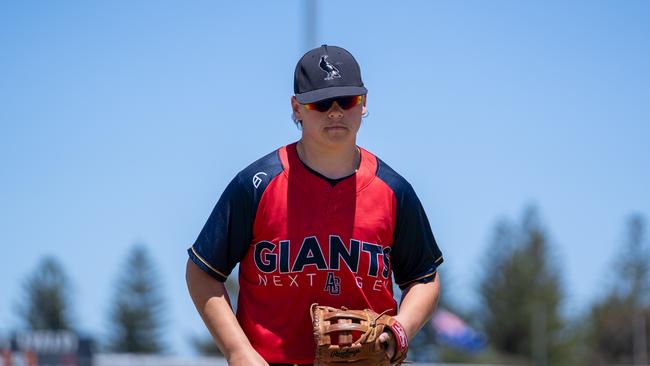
349,102
343,102
323,105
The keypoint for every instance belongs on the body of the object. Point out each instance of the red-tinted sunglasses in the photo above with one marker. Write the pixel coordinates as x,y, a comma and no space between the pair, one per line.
343,102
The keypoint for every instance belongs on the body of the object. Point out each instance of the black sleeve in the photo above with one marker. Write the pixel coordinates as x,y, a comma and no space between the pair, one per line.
415,253
226,235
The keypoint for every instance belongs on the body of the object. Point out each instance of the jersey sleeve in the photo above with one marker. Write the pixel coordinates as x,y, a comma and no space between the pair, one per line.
415,253
225,237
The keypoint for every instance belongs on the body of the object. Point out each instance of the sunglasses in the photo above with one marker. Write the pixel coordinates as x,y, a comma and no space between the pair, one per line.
343,102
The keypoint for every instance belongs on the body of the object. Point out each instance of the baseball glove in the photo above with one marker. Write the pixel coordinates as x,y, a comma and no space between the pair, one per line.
351,337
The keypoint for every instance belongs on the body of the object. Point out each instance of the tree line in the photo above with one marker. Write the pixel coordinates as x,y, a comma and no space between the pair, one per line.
135,321
521,297
522,294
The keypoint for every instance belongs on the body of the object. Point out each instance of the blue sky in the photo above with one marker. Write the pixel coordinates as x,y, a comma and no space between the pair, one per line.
122,122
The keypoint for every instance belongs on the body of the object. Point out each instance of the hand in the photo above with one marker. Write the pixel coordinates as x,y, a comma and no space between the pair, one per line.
388,344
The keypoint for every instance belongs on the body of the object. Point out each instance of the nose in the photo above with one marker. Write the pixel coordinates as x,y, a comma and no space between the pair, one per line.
335,111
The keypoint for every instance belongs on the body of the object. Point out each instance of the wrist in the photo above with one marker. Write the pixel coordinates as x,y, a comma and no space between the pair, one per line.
400,335
409,328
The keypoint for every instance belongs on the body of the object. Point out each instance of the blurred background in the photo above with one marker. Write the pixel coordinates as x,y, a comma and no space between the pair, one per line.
523,127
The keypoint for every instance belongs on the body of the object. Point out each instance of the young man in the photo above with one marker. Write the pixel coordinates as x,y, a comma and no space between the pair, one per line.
317,221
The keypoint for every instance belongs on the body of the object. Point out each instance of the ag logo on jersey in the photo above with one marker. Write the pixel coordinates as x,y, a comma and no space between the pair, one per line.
333,284
331,70
257,179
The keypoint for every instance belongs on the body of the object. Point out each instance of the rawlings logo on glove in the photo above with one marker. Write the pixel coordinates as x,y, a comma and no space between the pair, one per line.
351,337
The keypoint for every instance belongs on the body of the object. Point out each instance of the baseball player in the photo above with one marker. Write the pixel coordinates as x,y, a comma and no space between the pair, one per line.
321,221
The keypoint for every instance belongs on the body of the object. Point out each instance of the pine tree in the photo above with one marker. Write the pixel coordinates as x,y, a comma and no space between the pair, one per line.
620,322
137,315
46,299
521,294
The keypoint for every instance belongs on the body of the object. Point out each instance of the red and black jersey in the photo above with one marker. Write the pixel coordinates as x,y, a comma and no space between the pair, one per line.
299,240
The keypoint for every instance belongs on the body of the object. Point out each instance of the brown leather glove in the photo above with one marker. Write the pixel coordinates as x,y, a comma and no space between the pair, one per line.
351,337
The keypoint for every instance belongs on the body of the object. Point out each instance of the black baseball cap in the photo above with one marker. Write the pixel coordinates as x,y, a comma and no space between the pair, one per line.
327,72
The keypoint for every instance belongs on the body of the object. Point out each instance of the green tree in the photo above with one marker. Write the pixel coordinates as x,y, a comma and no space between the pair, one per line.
136,317
46,298
521,294
620,321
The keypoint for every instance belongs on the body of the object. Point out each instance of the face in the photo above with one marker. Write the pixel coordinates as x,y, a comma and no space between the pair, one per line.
334,127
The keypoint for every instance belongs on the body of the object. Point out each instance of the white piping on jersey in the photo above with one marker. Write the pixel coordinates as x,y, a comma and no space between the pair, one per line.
206,263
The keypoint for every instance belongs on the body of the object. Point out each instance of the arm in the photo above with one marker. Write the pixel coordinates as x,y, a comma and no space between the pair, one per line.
213,304
418,303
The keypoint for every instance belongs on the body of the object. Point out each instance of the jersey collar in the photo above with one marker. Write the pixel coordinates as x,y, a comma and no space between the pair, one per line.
295,169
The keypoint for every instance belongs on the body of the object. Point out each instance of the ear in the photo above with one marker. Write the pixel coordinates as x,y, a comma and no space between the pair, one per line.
364,110
295,106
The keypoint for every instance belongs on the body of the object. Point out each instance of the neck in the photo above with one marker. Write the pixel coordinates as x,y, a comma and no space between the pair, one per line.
333,163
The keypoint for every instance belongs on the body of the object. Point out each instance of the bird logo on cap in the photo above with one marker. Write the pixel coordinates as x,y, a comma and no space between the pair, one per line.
331,70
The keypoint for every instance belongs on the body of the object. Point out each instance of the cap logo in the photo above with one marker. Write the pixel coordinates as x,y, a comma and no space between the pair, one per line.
331,70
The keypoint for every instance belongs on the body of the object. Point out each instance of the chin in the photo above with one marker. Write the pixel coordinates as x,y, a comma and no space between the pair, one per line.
341,138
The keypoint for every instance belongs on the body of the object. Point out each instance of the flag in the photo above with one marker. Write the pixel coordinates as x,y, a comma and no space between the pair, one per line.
452,331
